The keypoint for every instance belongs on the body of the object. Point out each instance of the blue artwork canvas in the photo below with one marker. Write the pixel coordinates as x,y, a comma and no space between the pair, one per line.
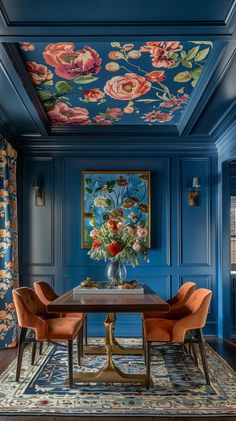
115,195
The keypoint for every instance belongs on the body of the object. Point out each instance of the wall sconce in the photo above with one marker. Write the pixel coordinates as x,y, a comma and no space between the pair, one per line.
39,193
194,193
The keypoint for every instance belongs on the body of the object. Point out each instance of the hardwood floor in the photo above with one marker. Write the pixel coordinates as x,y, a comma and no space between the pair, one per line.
224,348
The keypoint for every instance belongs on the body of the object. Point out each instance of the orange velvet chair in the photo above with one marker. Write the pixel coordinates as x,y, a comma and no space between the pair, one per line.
46,294
189,318
32,314
178,300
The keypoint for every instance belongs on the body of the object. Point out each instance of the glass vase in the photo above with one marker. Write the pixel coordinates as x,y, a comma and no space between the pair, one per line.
115,273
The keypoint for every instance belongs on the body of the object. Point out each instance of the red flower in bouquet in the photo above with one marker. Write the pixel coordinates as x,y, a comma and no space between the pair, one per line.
96,244
114,248
113,224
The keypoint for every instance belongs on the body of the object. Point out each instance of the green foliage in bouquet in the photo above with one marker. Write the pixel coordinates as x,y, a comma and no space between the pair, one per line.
114,240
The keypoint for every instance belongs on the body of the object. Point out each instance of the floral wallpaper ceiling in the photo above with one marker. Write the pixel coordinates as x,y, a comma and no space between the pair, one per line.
109,83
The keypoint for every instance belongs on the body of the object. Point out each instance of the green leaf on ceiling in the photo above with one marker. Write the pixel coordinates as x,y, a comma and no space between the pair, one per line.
183,77
202,54
196,72
186,63
48,106
192,53
63,87
44,95
84,80
173,65
194,82
49,82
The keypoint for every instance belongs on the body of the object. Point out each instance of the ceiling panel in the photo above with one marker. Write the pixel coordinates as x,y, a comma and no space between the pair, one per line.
109,83
110,11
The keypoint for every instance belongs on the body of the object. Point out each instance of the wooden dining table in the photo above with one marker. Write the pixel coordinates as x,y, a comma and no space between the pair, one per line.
110,304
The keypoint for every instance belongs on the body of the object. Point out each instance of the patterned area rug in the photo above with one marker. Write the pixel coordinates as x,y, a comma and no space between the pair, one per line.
179,386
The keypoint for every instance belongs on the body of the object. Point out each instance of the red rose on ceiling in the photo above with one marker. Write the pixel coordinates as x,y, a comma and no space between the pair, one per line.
53,53
62,114
38,72
70,63
93,95
156,76
162,52
114,248
157,116
127,87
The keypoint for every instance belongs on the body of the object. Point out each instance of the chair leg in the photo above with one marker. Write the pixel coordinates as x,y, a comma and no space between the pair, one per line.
195,354
143,336
85,327
148,364
23,332
70,363
203,356
34,345
81,343
78,341
40,348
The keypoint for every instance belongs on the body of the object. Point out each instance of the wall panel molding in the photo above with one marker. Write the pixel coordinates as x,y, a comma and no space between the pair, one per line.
194,221
27,196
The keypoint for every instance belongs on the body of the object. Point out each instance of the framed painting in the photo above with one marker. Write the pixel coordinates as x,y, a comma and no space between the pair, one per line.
115,194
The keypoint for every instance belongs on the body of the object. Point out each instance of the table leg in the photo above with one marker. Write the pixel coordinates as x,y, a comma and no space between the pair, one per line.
117,348
110,373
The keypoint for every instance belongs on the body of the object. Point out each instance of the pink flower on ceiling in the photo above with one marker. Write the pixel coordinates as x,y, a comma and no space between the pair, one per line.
38,72
64,115
156,76
157,117
53,53
93,95
70,63
162,53
114,112
175,101
27,46
127,87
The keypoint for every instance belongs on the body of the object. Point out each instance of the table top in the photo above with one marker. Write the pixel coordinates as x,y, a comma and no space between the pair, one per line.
69,302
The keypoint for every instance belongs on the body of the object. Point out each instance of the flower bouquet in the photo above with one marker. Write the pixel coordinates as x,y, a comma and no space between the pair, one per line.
118,242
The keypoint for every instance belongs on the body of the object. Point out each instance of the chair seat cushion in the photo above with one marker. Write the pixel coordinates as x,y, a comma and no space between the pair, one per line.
80,316
62,328
158,330
154,314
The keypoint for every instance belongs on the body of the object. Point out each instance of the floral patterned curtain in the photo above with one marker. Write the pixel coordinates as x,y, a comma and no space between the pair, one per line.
8,243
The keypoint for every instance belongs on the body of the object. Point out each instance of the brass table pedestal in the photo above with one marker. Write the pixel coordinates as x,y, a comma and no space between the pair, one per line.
110,373
117,349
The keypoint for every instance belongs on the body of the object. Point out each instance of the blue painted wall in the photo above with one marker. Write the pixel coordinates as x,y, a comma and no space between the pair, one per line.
183,237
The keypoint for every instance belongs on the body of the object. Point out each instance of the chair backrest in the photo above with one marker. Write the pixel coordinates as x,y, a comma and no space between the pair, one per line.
45,292
183,294
198,303
27,305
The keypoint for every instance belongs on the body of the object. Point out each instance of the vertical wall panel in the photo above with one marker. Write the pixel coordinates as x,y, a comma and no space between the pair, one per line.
38,243
194,234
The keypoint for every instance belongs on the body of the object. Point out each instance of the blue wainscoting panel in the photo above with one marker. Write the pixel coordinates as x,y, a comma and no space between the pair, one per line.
28,280
38,221
194,221
182,240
